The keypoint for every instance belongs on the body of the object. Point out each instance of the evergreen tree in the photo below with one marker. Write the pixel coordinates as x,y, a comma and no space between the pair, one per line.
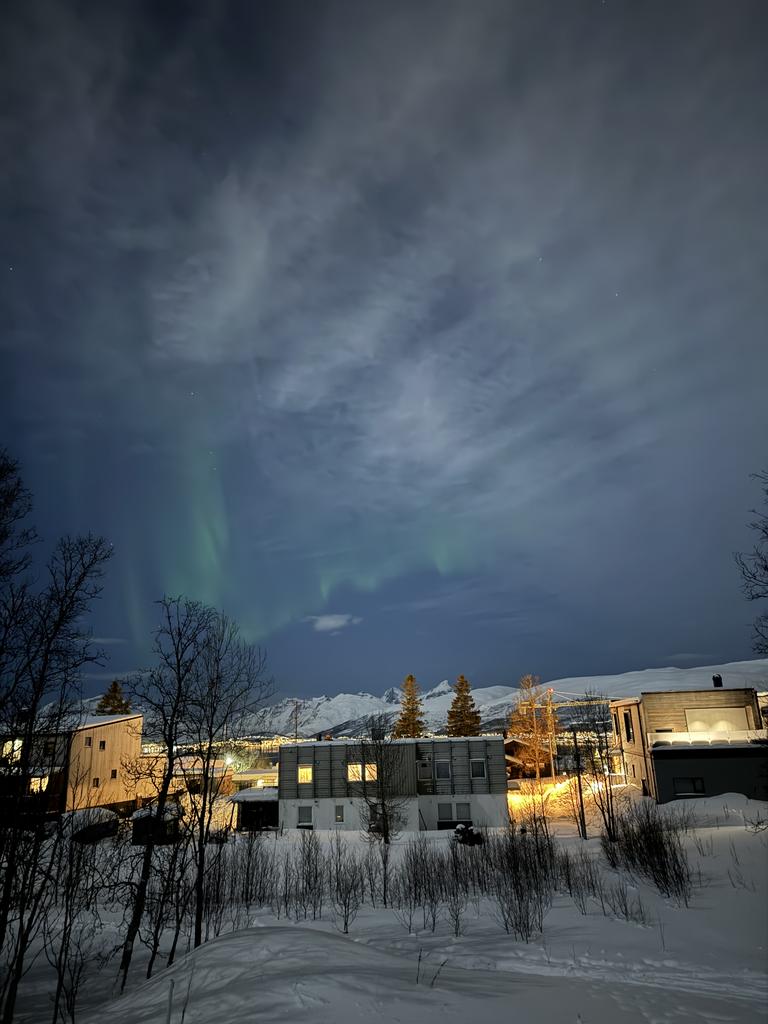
114,701
411,722
463,716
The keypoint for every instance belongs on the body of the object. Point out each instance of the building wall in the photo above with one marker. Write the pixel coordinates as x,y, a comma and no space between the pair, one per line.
89,775
329,762
712,770
487,810
667,710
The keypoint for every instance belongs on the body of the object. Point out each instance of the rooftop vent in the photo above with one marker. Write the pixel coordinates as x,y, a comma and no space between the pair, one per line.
717,681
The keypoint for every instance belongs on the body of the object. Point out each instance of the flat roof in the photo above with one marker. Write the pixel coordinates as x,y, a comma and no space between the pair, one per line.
356,742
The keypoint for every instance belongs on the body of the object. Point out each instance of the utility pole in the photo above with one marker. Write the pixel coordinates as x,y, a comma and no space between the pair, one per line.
551,733
582,817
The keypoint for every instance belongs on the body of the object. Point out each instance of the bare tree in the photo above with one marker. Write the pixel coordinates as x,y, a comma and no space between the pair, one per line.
44,644
592,731
228,686
382,782
164,693
754,570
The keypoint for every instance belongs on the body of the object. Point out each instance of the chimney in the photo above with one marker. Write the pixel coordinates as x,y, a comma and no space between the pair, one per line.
717,681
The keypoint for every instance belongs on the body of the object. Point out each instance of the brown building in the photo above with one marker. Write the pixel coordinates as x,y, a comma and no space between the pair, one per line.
85,764
686,743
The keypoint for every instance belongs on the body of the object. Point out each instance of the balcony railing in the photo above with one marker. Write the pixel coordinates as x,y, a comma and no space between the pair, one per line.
709,736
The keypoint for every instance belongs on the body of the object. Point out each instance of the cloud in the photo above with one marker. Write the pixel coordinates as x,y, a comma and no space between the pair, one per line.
332,623
109,641
701,658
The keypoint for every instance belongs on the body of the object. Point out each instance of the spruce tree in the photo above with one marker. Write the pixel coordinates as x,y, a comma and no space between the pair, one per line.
463,716
411,722
114,701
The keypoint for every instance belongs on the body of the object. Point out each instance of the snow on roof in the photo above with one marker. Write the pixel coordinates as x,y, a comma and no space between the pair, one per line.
355,741
247,796
94,721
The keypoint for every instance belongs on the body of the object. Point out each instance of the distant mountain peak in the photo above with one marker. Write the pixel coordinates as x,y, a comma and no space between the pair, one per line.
439,691
392,695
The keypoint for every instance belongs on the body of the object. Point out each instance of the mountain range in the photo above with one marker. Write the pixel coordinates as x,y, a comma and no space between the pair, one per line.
346,714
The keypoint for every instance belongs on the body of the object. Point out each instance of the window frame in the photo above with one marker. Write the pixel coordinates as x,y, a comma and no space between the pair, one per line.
102,744
302,809
88,741
96,783
629,726
305,768
696,787
439,761
338,814
441,817
424,771
468,815
354,771
481,761
113,773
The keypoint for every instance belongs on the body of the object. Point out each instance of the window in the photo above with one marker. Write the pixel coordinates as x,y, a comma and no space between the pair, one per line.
113,773
339,816
688,786
49,749
425,770
96,782
615,723
102,744
629,732
444,812
305,816
305,773
462,812
355,772
477,768
88,741
634,773
442,769
371,773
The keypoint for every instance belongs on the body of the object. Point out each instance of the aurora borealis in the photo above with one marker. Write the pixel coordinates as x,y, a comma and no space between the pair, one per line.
446,319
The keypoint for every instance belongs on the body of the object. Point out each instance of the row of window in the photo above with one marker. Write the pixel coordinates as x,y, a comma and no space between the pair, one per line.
356,772
97,780
89,743
444,813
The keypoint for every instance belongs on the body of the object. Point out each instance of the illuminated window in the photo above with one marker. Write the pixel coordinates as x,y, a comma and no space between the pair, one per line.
477,768
442,769
305,816
462,812
12,750
355,772
38,785
305,773
339,817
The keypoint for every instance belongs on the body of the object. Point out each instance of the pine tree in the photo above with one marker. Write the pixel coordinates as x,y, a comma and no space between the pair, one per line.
113,702
411,722
463,716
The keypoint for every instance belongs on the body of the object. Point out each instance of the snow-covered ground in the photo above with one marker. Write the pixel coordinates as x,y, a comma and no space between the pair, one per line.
346,712
705,962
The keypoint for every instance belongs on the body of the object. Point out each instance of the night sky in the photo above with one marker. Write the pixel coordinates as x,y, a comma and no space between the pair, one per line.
418,336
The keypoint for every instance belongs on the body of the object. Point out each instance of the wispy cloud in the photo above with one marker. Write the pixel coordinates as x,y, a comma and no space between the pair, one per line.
332,623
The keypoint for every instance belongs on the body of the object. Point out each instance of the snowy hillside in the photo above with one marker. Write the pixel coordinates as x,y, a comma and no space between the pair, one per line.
346,713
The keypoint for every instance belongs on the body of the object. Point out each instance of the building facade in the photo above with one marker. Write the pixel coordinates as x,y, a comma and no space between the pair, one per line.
434,783
686,743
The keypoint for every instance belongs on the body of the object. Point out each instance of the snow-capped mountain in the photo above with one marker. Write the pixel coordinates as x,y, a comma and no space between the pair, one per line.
346,713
